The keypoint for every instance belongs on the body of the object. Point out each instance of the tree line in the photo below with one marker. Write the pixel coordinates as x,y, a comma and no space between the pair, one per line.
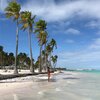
8,59
26,20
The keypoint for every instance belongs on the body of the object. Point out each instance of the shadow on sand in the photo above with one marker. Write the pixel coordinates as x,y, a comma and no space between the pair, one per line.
45,80
70,78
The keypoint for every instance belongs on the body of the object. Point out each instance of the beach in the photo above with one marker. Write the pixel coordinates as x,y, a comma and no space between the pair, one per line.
49,50
63,86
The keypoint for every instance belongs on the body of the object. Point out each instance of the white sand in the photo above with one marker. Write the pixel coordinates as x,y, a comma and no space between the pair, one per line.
8,88
12,71
31,85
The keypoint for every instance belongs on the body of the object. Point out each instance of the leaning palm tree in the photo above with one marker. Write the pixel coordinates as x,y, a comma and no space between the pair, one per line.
48,52
27,20
42,35
52,45
43,41
45,37
54,60
13,11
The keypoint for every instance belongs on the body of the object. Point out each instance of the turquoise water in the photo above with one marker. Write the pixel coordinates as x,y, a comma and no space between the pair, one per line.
90,71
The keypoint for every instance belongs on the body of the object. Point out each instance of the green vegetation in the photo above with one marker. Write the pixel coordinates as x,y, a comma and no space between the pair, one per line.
54,60
26,20
6,59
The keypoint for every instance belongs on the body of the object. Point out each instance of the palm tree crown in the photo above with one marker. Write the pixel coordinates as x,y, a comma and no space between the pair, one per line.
53,44
13,10
27,20
40,25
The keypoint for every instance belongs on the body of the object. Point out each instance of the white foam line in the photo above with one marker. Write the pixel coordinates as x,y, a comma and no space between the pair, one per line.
15,97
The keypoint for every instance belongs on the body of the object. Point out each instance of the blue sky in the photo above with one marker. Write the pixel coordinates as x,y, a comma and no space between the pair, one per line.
75,24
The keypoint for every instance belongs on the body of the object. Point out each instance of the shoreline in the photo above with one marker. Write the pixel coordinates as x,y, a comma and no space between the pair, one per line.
10,86
23,73
65,85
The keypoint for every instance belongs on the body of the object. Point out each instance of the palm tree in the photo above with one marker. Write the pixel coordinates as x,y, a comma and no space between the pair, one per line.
45,44
1,48
42,36
1,56
43,58
11,59
5,59
28,62
13,11
48,52
52,45
54,60
22,59
27,20
36,64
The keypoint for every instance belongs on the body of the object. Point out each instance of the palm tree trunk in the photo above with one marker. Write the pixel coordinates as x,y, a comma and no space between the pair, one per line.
31,67
15,68
55,66
45,58
50,60
40,67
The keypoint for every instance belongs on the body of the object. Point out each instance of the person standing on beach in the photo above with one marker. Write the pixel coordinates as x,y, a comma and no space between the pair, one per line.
48,74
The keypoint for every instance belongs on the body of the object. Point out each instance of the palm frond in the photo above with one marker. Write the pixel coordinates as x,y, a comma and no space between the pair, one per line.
27,20
12,10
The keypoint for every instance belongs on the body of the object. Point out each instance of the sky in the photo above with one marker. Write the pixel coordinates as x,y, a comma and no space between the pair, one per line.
75,24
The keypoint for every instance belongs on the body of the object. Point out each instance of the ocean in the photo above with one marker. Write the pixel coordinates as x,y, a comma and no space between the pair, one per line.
90,71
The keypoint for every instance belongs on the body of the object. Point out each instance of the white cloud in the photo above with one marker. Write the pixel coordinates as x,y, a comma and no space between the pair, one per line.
58,27
51,11
72,31
69,41
96,44
93,24
3,4
77,59
88,57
